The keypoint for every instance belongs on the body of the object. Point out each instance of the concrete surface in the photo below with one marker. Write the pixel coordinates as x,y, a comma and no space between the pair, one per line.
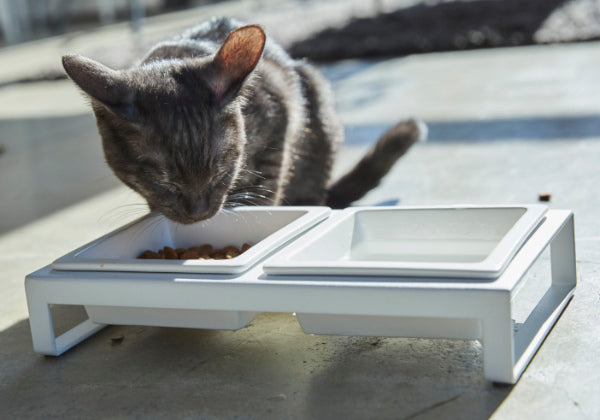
506,124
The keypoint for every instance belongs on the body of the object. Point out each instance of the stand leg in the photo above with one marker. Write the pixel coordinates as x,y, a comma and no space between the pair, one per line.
498,344
42,329
543,317
562,251
76,335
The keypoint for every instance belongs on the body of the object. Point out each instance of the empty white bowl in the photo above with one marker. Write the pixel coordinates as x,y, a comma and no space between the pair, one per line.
460,241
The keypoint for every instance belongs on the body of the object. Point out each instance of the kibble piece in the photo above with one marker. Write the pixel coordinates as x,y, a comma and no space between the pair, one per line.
230,252
246,247
230,248
544,196
149,255
204,249
188,255
170,253
214,252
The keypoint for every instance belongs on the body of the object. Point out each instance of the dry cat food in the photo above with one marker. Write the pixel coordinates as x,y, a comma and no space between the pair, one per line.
203,252
544,196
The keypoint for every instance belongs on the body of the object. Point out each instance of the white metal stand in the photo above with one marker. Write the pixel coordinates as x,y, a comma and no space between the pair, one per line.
403,307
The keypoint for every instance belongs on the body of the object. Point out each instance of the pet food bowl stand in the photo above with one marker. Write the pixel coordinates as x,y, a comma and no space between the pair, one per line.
437,308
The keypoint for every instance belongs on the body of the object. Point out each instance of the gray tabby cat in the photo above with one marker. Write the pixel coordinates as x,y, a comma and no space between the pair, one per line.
222,116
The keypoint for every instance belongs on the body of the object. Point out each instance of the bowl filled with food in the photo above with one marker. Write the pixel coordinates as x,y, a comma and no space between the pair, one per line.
230,242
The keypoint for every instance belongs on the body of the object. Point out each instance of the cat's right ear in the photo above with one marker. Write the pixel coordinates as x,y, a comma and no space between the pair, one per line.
103,84
235,60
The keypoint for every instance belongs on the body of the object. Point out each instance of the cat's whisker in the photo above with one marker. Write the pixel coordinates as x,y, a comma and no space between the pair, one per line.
238,195
124,211
232,203
247,198
157,220
243,192
253,172
254,195
254,199
227,210
254,187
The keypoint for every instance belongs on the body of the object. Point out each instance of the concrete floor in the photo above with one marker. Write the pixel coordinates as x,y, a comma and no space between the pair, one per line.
505,125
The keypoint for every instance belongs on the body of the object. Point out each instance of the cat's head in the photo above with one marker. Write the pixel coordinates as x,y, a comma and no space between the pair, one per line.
172,130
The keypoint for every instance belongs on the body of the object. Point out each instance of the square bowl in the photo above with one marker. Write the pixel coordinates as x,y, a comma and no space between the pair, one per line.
167,317
264,228
457,242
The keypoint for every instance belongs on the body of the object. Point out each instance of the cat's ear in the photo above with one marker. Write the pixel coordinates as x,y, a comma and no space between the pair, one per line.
237,57
104,84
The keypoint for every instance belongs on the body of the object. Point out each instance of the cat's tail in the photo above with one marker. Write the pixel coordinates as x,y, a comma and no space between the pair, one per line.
369,171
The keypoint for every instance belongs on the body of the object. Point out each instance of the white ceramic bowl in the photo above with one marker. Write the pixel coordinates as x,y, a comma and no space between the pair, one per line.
459,241
265,228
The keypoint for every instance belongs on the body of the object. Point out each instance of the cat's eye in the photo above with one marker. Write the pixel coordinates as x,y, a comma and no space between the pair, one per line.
149,167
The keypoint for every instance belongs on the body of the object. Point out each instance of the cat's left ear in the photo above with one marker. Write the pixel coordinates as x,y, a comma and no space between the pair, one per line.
236,59
104,84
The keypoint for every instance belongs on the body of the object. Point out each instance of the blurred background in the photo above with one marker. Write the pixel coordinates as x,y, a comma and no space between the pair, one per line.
50,153
418,25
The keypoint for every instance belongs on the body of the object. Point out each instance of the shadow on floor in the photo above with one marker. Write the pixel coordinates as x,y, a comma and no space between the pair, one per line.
269,369
517,129
49,164
442,26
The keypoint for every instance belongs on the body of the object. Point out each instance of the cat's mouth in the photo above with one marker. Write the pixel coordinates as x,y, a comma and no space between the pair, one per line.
187,218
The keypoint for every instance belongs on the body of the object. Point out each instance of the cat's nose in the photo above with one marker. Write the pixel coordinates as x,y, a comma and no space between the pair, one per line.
198,207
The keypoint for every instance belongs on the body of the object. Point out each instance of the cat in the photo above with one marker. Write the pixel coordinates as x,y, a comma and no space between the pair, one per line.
221,116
